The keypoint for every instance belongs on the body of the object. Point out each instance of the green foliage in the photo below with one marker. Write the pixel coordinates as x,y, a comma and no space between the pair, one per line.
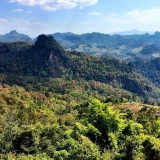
35,126
149,69
26,65
73,115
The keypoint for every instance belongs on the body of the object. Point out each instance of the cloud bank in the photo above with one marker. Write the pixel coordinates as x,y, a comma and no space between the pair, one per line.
53,5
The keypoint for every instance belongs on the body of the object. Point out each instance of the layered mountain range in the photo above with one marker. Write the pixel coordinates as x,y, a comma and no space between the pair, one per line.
126,47
47,59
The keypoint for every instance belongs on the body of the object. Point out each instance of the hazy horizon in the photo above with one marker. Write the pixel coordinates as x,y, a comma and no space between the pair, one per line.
127,32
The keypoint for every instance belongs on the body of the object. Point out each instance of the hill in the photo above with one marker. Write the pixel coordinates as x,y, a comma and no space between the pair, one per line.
14,36
47,59
127,47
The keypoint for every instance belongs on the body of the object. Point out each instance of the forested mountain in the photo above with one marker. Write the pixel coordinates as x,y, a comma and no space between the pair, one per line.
140,49
66,105
149,69
48,59
127,47
14,36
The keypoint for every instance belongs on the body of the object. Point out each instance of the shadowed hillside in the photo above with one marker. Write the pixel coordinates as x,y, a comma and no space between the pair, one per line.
47,59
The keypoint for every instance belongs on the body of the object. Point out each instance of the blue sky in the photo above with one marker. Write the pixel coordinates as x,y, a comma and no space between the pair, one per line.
34,17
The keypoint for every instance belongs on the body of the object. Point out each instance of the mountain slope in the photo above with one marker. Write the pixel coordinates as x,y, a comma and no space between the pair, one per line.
48,59
126,47
149,69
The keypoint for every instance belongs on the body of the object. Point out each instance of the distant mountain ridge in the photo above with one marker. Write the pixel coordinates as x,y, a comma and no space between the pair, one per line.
125,47
132,32
14,36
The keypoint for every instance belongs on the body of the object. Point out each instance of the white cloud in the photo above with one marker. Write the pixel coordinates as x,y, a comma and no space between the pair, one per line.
95,13
21,10
85,2
18,10
146,20
53,5
57,6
